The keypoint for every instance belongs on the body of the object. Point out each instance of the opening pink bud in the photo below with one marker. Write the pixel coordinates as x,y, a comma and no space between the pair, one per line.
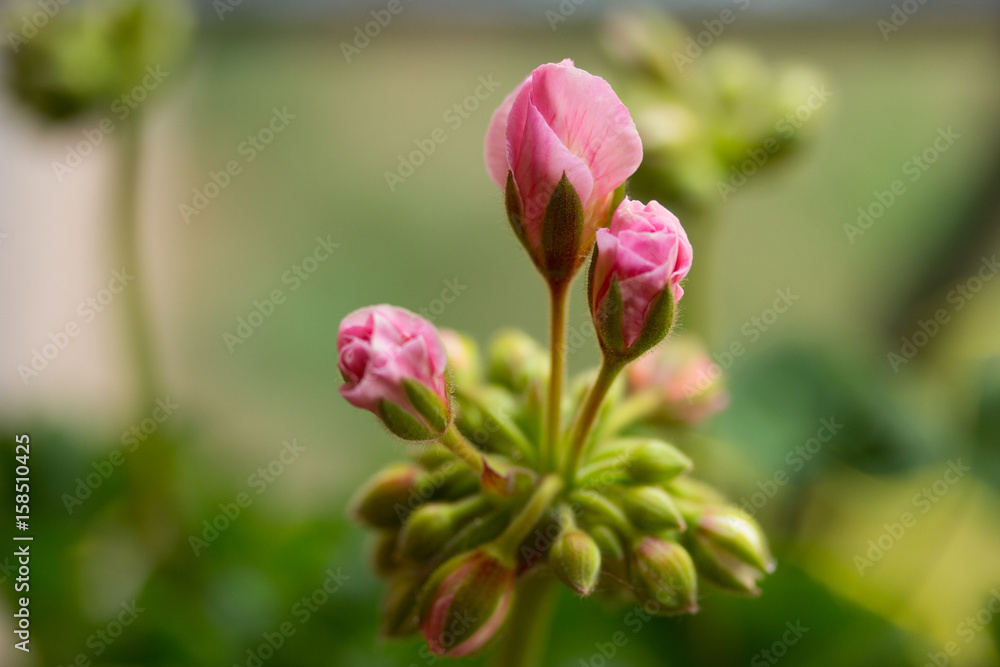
561,120
644,251
467,602
389,356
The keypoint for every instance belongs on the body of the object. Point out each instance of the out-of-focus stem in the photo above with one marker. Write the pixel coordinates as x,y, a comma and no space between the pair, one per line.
138,329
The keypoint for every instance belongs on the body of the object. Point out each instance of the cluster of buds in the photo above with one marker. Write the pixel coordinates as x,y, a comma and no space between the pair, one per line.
711,114
93,55
510,478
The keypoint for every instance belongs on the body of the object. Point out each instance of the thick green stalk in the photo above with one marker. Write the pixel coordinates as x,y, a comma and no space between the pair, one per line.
588,413
557,343
523,643
522,525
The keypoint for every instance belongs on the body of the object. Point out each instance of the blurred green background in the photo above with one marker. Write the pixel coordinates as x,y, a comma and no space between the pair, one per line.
443,230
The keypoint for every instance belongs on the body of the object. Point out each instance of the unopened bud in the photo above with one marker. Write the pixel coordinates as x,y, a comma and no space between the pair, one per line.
635,460
576,559
465,602
516,360
463,357
387,497
429,528
651,509
725,535
400,608
385,555
663,572
686,382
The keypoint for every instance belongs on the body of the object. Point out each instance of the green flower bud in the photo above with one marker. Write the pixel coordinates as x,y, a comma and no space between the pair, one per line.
576,559
400,608
733,531
635,460
463,357
386,553
465,602
429,528
665,577
613,558
435,456
517,361
388,497
651,509
722,568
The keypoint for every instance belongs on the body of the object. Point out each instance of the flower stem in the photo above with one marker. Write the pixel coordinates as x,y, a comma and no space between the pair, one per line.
632,409
557,344
540,503
463,449
588,413
138,329
523,644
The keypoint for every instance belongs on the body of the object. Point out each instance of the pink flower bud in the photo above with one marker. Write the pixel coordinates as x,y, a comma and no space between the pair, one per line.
642,253
561,121
393,363
467,600
685,379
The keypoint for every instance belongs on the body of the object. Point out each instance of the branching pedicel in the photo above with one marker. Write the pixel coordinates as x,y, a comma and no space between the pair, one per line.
501,463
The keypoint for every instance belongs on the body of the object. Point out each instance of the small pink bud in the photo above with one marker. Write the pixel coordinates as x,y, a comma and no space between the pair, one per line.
683,375
393,363
638,258
466,602
561,122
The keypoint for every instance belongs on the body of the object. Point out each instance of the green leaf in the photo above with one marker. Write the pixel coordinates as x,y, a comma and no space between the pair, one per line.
401,423
562,231
427,403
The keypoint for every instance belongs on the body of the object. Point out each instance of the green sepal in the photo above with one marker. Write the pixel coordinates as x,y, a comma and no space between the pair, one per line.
562,231
659,321
608,319
515,215
402,424
428,404
575,558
